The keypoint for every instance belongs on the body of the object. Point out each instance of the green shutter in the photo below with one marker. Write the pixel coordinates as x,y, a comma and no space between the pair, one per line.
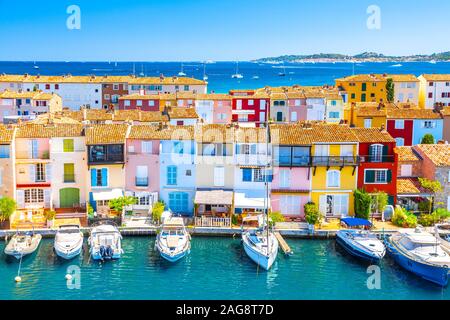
370,176
389,176
68,145
69,172
385,153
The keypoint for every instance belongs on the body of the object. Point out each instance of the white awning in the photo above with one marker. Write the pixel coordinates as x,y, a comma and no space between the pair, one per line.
241,201
108,194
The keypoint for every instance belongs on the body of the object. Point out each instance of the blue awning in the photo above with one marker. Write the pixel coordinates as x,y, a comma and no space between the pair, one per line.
356,222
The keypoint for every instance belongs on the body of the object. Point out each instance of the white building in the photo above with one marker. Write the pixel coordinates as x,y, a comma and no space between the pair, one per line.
406,88
434,89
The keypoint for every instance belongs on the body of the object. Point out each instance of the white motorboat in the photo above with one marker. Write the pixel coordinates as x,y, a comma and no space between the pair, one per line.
442,231
173,241
21,245
420,253
68,241
237,75
181,73
105,242
261,246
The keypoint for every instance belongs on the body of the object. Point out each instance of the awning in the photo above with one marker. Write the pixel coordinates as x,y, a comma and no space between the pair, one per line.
244,202
214,197
356,222
107,194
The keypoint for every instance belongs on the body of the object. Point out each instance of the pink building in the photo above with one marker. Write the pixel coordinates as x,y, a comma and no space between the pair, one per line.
214,108
142,166
297,106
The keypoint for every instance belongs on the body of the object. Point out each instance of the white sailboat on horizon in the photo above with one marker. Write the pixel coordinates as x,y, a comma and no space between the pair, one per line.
181,73
237,75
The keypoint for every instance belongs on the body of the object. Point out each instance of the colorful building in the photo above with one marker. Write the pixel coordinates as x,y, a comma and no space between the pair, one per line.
7,162
434,90
363,87
406,88
250,107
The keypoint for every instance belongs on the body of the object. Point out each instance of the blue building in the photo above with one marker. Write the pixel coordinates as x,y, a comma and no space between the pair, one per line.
432,124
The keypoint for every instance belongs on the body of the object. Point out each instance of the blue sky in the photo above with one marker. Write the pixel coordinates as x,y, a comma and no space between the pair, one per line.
169,30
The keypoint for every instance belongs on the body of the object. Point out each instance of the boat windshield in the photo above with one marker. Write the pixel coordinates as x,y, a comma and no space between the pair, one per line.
106,239
171,232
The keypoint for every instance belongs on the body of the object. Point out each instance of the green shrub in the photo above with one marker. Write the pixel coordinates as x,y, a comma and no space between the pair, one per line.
426,220
157,210
312,214
119,203
275,217
7,208
363,202
403,218
424,206
234,219
427,139
441,214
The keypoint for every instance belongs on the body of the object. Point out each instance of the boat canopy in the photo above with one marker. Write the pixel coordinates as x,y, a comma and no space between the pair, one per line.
242,201
356,222
214,197
107,194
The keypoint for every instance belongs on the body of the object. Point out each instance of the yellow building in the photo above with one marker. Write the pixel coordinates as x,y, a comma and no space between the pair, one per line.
363,87
334,169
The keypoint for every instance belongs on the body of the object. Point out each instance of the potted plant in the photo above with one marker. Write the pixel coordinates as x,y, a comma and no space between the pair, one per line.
50,216
7,208
312,215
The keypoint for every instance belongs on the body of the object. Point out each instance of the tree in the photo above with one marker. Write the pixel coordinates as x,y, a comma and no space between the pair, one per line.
276,216
434,186
7,208
379,201
427,139
390,90
119,203
312,214
157,210
363,203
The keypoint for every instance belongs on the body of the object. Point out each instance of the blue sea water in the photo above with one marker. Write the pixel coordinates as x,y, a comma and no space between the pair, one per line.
219,73
217,268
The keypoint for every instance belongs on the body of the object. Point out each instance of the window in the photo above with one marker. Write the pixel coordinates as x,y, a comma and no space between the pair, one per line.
34,196
146,147
115,86
399,124
40,172
251,102
258,175
406,170
367,123
262,104
376,153
334,115
239,104
399,142
377,176
430,95
293,116
178,202
431,83
333,179
297,103
246,175
99,177
138,103
290,204
428,124
47,87
4,151
68,145
178,147
141,176
186,88
285,178
106,97
69,172
219,176
142,200
353,95
56,86
151,103
171,175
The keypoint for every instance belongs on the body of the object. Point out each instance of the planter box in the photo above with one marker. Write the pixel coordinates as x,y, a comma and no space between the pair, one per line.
5,225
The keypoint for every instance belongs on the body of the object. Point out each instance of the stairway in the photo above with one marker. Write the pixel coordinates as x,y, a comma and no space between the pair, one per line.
38,222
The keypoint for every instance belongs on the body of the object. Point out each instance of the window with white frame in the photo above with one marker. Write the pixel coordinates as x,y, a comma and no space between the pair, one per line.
285,178
262,104
380,176
258,175
151,103
290,204
367,123
293,116
34,196
251,102
376,153
428,124
219,176
406,170
238,104
297,102
399,142
399,124
40,172
139,103
146,147
333,179
127,103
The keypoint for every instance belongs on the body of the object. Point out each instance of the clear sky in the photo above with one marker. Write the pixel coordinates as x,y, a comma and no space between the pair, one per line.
169,30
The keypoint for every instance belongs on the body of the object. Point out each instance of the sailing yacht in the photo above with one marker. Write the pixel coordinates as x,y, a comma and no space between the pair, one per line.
205,76
261,245
237,75
282,73
181,73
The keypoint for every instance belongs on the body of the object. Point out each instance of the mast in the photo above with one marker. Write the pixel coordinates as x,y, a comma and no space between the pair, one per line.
266,178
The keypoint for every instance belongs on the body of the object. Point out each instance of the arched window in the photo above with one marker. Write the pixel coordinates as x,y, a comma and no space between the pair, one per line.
333,179
376,153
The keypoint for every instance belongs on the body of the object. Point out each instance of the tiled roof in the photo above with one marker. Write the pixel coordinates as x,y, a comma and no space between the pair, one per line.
214,133
439,154
182,113
403,77
409,186
406,154
6,134
445,111
250,135
363,78
106,134
77,115
372,135
412,114
31,130
437,77
98,115
154,132
290,134
48,118
137,96
34,95
102,79
152,116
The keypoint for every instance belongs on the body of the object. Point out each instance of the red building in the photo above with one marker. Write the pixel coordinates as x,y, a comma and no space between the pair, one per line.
249,106
401,130
378,162
141,102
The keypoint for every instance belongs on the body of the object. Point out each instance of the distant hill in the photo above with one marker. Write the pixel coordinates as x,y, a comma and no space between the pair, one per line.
362,57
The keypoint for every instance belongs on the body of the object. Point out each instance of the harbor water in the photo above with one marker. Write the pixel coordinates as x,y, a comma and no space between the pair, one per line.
217,268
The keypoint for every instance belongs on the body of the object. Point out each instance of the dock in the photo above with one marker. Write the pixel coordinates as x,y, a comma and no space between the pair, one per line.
283,244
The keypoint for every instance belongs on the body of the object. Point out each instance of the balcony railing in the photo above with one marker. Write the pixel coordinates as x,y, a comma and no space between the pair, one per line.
69,178
212,222
376,159
335,161
141,182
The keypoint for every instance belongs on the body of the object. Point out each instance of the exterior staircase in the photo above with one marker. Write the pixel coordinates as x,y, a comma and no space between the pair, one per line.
38,222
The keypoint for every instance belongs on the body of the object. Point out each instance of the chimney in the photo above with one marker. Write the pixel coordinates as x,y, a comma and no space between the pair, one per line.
382,128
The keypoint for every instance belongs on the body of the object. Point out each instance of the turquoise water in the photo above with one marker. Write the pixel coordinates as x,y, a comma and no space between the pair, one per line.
217,268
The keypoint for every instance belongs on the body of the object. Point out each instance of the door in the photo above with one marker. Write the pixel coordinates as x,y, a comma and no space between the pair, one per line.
279,116
69,197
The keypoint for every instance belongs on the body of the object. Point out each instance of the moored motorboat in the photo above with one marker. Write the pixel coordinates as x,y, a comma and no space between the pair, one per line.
173,241
105,242
261,246
420,253
68,241
21,245
442,231
360,243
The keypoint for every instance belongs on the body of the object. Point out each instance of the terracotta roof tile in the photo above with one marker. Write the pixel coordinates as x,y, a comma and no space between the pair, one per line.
406,154
439,154
372,135
155,132
409,186
31,130
412,114
106,134
182,113
6,134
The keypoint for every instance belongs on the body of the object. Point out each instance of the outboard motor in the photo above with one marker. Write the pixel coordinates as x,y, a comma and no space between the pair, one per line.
109,252
102,251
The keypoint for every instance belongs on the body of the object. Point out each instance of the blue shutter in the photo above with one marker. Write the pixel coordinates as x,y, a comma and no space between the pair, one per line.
104,177
92,203
253,149
247,175
93,177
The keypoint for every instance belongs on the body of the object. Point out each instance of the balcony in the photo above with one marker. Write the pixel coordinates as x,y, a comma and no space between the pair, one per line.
376,159
141,182
287,161
69,178
106,154
335,161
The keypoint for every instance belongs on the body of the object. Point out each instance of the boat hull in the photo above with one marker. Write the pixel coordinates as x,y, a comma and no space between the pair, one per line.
95,255
357,252
264,261
68,254
18,254
175,257
433,273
